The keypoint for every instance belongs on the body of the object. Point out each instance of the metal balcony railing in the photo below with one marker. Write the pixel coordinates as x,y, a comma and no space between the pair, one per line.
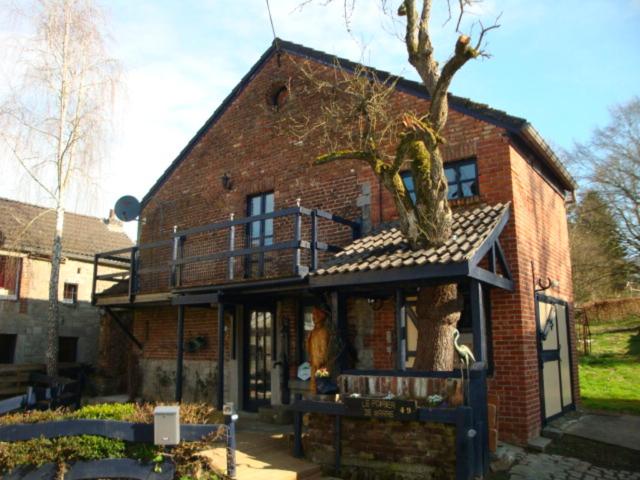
208,254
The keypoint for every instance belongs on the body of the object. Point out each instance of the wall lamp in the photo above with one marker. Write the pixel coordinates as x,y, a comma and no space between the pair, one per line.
375,303
226,181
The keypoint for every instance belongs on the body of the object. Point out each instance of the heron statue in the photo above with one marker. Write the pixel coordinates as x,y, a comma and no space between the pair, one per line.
466,357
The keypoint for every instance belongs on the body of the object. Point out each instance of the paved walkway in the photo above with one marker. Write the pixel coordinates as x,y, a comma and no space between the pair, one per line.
619,430
542,466
265,456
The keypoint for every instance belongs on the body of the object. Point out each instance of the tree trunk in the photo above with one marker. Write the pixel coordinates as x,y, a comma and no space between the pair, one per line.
438,309
53,320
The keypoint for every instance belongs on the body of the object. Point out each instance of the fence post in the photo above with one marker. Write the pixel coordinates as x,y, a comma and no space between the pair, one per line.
314,240
176,270
133,273
180,354
230,418
297,434
478,403
94,282
297,228
232,244
465,435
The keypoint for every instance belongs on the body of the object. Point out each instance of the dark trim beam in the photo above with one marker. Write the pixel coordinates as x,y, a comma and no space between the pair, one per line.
490,278
425,272
180,353
123,327
503,260
478,321
401,329
220,389
487,245
205,299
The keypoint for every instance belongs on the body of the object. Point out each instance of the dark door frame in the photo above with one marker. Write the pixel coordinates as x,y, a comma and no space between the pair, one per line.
247,403
540,297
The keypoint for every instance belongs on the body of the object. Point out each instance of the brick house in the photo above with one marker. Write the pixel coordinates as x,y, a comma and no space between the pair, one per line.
25,268
242,230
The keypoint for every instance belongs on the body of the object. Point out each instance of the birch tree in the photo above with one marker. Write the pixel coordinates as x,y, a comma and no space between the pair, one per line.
357,125
54,119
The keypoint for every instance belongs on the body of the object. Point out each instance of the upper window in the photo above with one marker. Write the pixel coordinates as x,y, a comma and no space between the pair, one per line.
462,179
9,277
259,232
70,293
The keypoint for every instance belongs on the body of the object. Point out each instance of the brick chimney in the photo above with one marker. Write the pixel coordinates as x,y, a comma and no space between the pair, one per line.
113,223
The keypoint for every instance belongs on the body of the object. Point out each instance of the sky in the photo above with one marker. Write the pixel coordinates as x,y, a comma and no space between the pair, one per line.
559,64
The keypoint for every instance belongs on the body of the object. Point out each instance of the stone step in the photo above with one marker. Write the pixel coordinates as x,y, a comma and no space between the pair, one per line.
538,444
552,432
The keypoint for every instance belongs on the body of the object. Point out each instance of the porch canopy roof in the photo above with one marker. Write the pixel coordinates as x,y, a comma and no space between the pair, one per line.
386,256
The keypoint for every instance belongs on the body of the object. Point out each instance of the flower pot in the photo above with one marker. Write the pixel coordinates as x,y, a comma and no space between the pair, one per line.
325,386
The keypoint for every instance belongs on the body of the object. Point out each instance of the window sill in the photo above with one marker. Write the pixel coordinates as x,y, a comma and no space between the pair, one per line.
461,202
71,303
9,298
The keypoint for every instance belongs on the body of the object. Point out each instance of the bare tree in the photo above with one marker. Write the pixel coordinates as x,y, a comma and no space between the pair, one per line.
356,123
611,160
599,261
54,120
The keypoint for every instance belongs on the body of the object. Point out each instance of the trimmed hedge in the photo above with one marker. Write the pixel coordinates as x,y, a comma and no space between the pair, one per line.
64,450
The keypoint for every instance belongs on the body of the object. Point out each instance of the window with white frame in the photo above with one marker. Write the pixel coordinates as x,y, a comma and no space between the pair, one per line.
70,293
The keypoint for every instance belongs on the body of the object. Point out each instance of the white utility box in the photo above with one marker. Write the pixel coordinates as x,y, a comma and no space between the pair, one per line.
166,425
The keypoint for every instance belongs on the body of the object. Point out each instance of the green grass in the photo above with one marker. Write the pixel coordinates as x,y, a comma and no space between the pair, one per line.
610,376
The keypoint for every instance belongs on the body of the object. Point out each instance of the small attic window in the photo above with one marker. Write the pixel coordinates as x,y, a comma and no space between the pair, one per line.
278,95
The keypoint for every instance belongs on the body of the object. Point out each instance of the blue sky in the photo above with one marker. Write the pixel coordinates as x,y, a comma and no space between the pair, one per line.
560,64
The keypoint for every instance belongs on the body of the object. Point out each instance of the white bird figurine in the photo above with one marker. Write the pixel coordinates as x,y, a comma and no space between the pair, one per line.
466,358
465,353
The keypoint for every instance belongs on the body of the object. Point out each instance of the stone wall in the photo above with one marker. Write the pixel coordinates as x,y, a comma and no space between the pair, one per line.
26,317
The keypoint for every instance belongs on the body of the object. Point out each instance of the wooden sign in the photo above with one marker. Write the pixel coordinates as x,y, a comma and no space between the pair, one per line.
391,409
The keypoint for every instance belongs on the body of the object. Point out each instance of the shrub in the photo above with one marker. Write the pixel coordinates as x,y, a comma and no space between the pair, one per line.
39,451
192,413
34,416
127,412
106,411
64,450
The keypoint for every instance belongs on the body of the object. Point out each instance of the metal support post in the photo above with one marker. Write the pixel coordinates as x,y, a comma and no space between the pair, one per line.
180,356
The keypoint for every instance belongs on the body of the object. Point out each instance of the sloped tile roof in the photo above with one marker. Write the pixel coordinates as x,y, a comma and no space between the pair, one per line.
389,249
83,235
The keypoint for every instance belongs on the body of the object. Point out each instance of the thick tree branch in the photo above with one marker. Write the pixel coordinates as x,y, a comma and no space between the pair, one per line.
345,155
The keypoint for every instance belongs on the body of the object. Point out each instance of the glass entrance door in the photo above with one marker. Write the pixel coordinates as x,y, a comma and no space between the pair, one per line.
259,351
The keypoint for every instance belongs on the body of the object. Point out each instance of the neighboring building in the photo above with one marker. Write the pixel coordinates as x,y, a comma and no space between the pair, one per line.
26,236
257,273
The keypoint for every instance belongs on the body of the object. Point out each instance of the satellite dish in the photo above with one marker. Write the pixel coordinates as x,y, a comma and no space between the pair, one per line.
127,208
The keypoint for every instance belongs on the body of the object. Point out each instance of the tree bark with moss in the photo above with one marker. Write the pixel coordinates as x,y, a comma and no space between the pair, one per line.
427,222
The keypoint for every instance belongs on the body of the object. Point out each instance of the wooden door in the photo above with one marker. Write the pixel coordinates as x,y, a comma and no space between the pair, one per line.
554,346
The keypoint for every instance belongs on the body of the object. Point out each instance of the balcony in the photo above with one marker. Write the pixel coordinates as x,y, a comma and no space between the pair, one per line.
280,245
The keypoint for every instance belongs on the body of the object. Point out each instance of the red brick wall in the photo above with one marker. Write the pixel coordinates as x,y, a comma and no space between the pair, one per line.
373,447
157,329
542,247
246,144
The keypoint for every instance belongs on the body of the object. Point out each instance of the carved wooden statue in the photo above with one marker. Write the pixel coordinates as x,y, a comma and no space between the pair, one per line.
318,345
